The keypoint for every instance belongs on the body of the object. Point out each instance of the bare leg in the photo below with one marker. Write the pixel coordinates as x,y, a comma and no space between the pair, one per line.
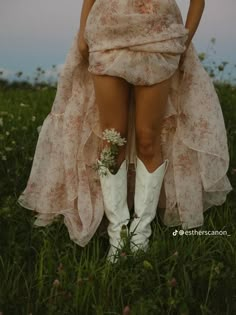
112,98
151,104
150,109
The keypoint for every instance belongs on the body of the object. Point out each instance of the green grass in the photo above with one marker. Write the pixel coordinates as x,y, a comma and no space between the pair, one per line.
43,272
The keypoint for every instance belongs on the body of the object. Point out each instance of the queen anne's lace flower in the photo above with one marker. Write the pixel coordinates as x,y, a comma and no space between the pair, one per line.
113,136
108,155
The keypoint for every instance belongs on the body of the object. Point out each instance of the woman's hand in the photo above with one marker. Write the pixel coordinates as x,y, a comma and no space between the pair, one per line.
83,47
82,44
194,15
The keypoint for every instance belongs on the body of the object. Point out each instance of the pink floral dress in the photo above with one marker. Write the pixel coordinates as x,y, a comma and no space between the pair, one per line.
140,41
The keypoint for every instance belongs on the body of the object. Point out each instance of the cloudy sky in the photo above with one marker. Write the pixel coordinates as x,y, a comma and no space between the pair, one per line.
39,33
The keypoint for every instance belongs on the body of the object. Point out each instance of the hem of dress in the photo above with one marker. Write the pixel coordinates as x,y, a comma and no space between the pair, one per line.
134,83
191,226
82,242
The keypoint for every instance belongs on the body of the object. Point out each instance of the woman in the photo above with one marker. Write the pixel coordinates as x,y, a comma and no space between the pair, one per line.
132,67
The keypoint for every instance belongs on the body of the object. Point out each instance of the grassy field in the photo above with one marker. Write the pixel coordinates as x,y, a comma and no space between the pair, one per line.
43,272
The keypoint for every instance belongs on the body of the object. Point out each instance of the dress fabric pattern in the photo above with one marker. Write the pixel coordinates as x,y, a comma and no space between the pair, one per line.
140,41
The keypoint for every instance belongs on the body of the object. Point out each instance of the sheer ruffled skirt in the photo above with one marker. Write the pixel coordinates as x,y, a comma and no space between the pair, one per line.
130,43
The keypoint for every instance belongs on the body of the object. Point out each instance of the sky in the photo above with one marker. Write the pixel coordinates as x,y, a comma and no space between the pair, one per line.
39,33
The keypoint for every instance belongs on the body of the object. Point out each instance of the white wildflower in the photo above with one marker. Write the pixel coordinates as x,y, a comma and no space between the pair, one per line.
1,121
7,133
8,149
4,158
33,118
108,155
24,105
113,136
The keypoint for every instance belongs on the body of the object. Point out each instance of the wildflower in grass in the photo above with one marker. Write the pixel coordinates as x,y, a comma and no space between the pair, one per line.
108,155
175,253
24,105
8,149
60,267
123,254
1,121
4,158
126,310
19,117
7,133
56,283
13,142
33,118
233,171
172,282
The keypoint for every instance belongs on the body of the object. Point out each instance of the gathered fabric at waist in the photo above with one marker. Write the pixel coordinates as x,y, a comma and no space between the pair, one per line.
155,31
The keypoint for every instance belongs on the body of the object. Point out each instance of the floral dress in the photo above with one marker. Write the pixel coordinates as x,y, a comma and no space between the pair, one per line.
140,41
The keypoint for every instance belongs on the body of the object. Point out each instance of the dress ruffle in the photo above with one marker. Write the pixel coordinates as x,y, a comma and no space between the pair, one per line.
62,180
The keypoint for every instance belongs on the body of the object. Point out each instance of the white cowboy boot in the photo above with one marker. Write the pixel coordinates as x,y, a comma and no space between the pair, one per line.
147,192
114,189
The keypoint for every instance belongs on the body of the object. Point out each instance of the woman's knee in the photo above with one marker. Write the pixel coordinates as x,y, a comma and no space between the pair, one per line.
147,141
